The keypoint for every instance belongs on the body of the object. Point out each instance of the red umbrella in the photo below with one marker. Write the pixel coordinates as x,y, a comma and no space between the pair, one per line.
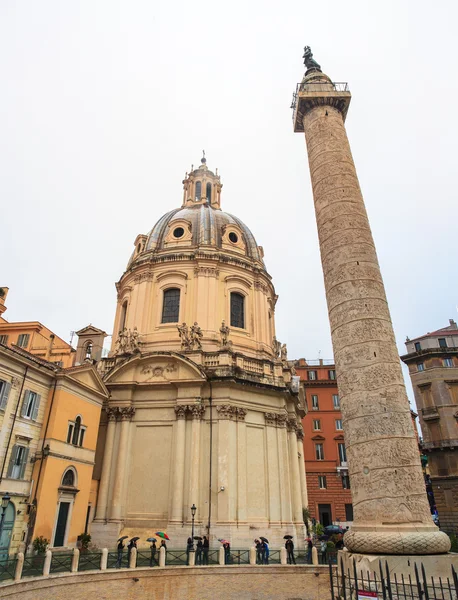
223,541
162,535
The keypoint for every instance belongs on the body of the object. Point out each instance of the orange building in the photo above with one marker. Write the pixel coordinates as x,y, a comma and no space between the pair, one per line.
35,338
328,484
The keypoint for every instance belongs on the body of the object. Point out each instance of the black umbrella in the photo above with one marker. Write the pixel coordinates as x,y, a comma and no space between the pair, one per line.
134,539
124,537
197,537
287,537
264,539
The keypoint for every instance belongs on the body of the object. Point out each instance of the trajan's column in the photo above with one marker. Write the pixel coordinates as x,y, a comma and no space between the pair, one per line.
391,511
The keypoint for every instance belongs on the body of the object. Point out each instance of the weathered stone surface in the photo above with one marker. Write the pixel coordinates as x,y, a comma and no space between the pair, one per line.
387,481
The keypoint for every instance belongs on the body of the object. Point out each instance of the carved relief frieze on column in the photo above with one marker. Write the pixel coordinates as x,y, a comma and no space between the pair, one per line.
226,411
180,412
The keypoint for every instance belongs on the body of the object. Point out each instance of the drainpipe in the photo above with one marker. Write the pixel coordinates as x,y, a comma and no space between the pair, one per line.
13,423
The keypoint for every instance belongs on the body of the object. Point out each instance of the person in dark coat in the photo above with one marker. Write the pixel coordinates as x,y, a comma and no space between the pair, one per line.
259,559
205,549
265,552
189,547
227,553
199,549
153,549
289,545
309,550
120,553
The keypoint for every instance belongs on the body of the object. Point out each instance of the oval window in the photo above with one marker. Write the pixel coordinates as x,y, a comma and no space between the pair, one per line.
233,237
178,232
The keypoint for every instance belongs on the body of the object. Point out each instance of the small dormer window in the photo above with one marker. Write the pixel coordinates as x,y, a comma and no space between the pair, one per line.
198,190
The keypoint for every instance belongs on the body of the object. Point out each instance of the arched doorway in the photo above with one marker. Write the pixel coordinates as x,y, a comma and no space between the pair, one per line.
7,532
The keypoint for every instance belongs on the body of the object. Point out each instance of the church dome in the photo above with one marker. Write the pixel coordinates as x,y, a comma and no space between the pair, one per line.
198,223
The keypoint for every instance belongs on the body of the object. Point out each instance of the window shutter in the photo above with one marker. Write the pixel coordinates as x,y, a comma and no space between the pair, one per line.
36,406
24,463
25,402
13,456
5,394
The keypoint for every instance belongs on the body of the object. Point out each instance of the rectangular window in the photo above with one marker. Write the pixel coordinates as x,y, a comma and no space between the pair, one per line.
18,462
442,343
237,310
417,346
316,424
345,482
30,405
420,366
336,401
332,374
5,387
312,375
319,451
23,340
339,425
70,433
171,306
3,339
349,512
82,432
322,482
342,453
315,405
448,362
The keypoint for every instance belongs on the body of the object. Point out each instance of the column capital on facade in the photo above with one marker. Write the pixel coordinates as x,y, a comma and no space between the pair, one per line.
197,411
241,414
180,411
282,419
291,424
112,412
271,418
300,433
226,411
126,413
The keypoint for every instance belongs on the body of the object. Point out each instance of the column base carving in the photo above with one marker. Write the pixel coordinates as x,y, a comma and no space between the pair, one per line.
397,542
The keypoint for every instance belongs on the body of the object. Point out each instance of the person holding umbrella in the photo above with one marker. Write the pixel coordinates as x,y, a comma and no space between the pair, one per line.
130,545
153,551
289,545
259,559
189,548
227,553
120,549
265,550
199,548
205,549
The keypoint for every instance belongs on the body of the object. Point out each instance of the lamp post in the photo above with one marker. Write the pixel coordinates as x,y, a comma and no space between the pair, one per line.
5,502
193,513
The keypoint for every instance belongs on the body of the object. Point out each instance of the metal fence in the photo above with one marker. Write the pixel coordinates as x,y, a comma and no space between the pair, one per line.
347,585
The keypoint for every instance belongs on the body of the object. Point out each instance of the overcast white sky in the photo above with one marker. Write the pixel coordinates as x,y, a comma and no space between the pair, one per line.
105,104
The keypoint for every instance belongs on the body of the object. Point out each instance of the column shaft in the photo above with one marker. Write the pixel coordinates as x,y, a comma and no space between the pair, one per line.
295,477
390,505
301,463
178,482
102,499
283,461
118,486
194,472
241,466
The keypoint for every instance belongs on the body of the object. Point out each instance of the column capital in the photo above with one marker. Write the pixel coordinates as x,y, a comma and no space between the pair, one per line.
241,414
300,433
226,411
180,411
291,424
271,418
282,419
197,411
112,412
126,413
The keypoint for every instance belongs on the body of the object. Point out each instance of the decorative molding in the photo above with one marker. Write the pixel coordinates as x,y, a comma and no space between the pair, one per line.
226,411
180,411
300,433
206,272
126,413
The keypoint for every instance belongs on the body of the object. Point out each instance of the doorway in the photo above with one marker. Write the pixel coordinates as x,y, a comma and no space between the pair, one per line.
61,525
8,524
325,514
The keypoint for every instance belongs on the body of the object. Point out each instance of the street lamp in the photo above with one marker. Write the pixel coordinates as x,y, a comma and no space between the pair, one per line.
5,502
193,513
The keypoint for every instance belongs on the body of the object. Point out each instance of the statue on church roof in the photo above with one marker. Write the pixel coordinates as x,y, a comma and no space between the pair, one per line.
309,61
183,332
196,336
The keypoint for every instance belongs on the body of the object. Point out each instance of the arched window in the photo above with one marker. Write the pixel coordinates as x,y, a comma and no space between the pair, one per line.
88,353
171,306
69,478
122,320
198,190
76,431
209,192
237,310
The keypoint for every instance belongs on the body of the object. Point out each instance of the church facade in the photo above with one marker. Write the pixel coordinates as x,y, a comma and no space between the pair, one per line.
204,409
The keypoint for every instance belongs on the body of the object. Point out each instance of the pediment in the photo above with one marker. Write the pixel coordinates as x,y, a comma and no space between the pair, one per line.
318,438
90,330
156,368
87,376
339,437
